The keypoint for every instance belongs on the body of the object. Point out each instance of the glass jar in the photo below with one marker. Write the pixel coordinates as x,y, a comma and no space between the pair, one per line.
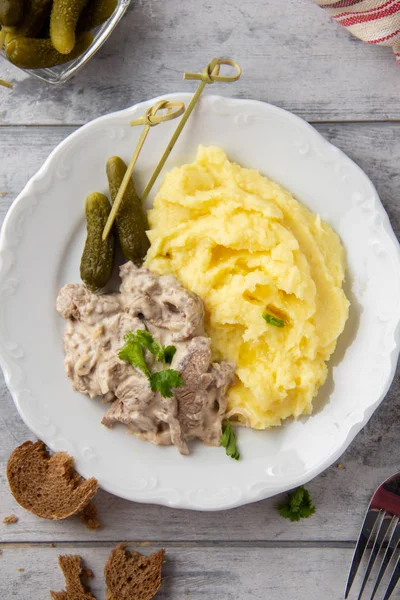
61,73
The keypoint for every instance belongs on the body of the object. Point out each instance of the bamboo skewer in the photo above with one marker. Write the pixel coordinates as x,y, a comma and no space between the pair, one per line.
209,75
150,119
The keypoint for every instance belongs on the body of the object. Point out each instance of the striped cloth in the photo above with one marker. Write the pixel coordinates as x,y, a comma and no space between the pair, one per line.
374,21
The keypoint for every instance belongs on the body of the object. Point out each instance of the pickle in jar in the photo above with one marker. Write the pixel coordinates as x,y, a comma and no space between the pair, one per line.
35,16
95,13
63,21
11,12
35,53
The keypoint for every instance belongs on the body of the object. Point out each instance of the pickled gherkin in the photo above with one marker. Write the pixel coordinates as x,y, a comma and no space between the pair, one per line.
131,220
32,53
63,21
97,257
95,13
34,18
11,12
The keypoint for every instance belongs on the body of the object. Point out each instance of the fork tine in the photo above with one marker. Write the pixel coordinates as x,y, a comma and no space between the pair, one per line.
379,539
363,539
387,556
393,580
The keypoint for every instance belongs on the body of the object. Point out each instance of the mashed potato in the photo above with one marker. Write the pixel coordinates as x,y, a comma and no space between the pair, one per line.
247,247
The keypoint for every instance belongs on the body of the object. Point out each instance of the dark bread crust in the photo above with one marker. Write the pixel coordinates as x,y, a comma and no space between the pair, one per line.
131,576
47,485
71,567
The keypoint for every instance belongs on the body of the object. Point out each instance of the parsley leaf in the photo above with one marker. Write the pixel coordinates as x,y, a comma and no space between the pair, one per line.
132,352
160,381
299,505
228,441
273,320
148,342
164,381
169,353
162,353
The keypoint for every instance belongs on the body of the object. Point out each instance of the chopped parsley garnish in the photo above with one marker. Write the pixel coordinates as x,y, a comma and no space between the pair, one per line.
299,505
132,352
163,381
273,320
163,354
160,381
228,440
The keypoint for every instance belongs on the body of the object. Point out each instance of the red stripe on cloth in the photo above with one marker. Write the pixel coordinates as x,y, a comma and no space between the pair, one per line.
384,39
361,18
364,12
342,4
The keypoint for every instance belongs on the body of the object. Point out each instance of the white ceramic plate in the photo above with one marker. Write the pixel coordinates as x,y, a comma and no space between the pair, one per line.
41,243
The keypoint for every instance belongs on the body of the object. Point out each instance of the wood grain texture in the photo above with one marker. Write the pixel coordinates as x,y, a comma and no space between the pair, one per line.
341,495
292,55
375,147
210,573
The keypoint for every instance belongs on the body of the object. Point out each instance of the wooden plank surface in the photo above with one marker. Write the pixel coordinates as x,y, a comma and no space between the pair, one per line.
292,55
207,573
374,146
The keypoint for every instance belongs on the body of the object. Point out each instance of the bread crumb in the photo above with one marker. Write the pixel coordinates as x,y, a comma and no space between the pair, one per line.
88,573
52,545
89,517
20,570
340,466
10,519
146,544
3,194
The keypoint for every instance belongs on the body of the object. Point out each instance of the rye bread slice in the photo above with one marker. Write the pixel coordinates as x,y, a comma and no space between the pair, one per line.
47,485
71,567
131,576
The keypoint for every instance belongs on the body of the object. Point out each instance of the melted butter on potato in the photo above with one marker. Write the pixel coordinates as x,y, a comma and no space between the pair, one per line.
247,247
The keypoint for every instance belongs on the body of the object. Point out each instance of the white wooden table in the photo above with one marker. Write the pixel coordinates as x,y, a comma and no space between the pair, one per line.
293,56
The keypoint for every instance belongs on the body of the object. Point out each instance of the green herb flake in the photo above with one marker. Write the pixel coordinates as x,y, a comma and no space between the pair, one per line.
164,381
273,320
228,440
133,352
162,353
299,505
169,353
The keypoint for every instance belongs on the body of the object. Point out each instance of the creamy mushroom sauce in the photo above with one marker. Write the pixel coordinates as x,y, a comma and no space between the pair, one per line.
96,326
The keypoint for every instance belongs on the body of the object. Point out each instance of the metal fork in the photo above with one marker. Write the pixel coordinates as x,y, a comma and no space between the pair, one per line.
380,532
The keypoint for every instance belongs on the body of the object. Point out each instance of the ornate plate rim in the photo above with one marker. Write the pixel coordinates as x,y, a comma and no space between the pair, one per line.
165,496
